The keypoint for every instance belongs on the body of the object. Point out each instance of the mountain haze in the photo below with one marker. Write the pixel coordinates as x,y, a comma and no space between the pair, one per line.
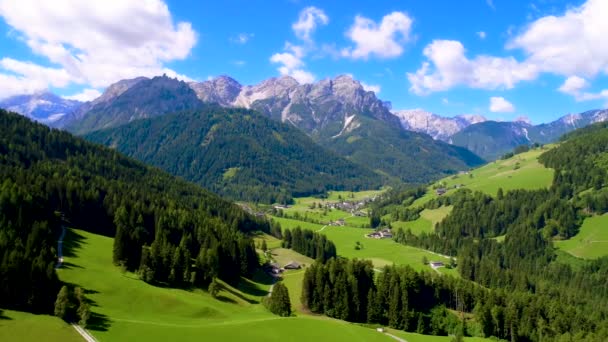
44,107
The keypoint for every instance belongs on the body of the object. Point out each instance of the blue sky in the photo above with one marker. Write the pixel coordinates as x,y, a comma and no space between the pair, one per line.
501,58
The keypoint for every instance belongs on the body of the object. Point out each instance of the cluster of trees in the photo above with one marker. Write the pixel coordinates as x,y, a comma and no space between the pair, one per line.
278,302
309,243
172,231
239,154
429,303
72,305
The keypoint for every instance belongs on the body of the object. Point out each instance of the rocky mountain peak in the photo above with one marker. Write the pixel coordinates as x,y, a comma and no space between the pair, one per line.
436,126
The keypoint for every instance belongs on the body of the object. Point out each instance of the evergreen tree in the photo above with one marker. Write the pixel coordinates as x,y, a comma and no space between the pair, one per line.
62,304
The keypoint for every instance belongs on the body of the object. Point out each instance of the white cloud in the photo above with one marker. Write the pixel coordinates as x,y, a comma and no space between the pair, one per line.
239,63
384,40
491,4
242,38
500,105
571,44
447,67
482,35
291,60
308,21
86,95
371,87
96,43
292,63
575,86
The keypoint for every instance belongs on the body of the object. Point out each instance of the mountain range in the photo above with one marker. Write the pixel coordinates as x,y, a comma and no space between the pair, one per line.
338,114
44,107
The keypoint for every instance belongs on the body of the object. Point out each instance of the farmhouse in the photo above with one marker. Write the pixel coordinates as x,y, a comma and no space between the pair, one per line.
440,191
381,234
292,265
436,264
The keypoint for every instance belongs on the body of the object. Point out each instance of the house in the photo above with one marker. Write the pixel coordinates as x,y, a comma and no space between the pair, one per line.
381,234
440,191
282,206
436,264
292,265
386,233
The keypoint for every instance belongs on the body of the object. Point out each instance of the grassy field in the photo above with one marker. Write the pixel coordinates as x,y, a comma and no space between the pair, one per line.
591,242
522,171
413,337
380,251
127,309
22,326
426,222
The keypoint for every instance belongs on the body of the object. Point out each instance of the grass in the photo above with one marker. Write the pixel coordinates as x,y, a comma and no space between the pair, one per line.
23,326
591,242
413,337
284,255
127,309
522,171
380,251
426,222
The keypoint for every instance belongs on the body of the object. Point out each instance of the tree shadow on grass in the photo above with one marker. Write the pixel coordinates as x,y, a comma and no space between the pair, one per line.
98,322
4,318
226,299
68,265
240,295
71,243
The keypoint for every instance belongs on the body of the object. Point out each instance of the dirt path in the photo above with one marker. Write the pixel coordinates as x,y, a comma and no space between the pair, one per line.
85,334
395,337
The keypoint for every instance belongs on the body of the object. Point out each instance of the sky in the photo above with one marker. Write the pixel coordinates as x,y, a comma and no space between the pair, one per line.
503,59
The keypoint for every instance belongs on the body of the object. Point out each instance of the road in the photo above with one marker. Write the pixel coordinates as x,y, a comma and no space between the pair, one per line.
85,334
60,247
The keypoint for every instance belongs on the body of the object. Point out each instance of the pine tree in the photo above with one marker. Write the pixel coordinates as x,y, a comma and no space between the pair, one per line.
62,304
278,303
214,288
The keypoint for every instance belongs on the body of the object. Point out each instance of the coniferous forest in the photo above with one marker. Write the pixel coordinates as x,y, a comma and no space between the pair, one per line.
168,230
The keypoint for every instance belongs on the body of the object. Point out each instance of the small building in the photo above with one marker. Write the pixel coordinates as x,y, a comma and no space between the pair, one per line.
381,234
440,191
436,264
292,265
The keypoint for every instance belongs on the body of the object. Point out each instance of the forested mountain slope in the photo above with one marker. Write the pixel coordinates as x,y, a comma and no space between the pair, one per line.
160,222
505,242
238,153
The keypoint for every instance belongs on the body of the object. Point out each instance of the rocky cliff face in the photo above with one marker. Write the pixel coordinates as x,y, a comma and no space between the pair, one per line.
324,108
438,127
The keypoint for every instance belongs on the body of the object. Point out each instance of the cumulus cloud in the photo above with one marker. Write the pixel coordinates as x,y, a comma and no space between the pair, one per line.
383,40
308,21
482,35
448,66
576,86
84,96
571,44
500,105
291,60
95,43
371,87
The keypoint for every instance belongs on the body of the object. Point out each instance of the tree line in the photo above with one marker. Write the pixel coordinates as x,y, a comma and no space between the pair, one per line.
309,243
170,230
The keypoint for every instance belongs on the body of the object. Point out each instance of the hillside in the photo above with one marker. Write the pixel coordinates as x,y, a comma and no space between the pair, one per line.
342,116
50,177
492,139
239,154
137,99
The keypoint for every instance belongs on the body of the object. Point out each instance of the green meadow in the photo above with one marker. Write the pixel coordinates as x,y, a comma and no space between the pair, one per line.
380,251
426,222
23,326
591,242
413,337
522,171
127,309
